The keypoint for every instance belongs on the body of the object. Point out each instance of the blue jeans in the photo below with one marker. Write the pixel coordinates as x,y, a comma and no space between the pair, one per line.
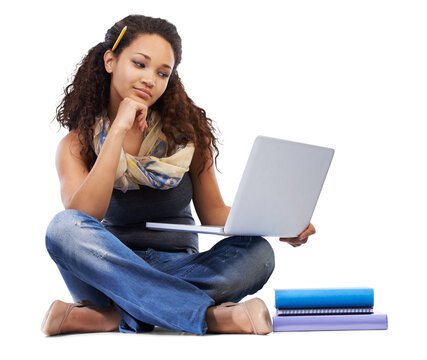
148,288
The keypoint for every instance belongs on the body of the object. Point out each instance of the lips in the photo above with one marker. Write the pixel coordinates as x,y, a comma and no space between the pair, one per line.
145,94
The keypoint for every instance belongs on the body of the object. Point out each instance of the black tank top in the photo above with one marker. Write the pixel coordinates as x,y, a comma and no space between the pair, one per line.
128,212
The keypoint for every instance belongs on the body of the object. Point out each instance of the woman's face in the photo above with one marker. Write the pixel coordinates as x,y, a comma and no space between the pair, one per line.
142,70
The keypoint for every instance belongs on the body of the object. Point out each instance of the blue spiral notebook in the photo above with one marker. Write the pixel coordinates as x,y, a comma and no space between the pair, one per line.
324,298
324,311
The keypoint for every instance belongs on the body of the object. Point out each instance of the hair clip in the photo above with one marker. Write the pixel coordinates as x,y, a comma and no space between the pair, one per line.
119,38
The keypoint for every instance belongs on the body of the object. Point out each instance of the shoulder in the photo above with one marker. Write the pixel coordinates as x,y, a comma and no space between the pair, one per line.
70,142
69,148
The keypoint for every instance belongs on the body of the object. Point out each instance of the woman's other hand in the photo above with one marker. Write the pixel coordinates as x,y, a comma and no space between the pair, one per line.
302,238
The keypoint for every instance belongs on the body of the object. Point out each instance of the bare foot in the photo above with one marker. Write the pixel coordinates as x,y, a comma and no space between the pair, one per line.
65,317
249,317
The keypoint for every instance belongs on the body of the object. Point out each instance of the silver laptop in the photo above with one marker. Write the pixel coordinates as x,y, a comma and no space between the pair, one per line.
277,194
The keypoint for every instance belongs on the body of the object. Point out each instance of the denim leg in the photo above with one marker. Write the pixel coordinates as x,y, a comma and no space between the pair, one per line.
81,245
80,290
230,270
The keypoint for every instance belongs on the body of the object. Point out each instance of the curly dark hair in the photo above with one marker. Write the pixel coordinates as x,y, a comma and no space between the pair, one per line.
88,94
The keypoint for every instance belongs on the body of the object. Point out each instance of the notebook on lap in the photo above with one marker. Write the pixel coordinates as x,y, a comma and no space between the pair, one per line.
277,194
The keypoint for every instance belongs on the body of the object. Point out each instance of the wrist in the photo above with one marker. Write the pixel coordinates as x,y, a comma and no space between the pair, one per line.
117,130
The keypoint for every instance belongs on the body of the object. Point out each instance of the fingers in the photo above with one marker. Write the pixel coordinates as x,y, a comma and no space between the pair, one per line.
138,106
307,232
130,111
142,126
141,119
295,242
141,114
302,238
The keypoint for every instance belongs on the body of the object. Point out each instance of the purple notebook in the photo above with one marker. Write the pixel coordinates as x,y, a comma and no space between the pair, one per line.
330,322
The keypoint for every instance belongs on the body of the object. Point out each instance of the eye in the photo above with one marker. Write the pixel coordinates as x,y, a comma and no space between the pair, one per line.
163,75
140,65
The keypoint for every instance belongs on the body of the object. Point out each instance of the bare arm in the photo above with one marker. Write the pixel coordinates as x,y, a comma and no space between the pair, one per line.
90,191
207,199
210,206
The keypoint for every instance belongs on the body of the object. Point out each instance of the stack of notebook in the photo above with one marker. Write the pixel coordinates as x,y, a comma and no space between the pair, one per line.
327,309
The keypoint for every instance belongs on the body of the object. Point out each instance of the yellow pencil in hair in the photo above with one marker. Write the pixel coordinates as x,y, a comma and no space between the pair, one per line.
119,38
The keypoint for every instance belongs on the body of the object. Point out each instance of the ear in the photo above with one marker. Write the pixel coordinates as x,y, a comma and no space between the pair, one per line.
109,61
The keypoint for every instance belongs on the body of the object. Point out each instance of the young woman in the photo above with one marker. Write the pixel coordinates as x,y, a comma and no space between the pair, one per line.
138,150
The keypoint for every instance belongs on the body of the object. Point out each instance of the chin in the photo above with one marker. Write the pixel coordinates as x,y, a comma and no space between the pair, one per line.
141,100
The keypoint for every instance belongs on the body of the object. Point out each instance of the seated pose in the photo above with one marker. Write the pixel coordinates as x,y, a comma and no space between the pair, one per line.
138,150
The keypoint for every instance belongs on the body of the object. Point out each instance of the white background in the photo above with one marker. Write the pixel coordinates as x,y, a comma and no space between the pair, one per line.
351,75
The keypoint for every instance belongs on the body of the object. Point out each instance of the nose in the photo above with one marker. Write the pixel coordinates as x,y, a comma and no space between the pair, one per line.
148,80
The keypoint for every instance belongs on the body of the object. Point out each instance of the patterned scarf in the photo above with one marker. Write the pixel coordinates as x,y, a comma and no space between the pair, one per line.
150,167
